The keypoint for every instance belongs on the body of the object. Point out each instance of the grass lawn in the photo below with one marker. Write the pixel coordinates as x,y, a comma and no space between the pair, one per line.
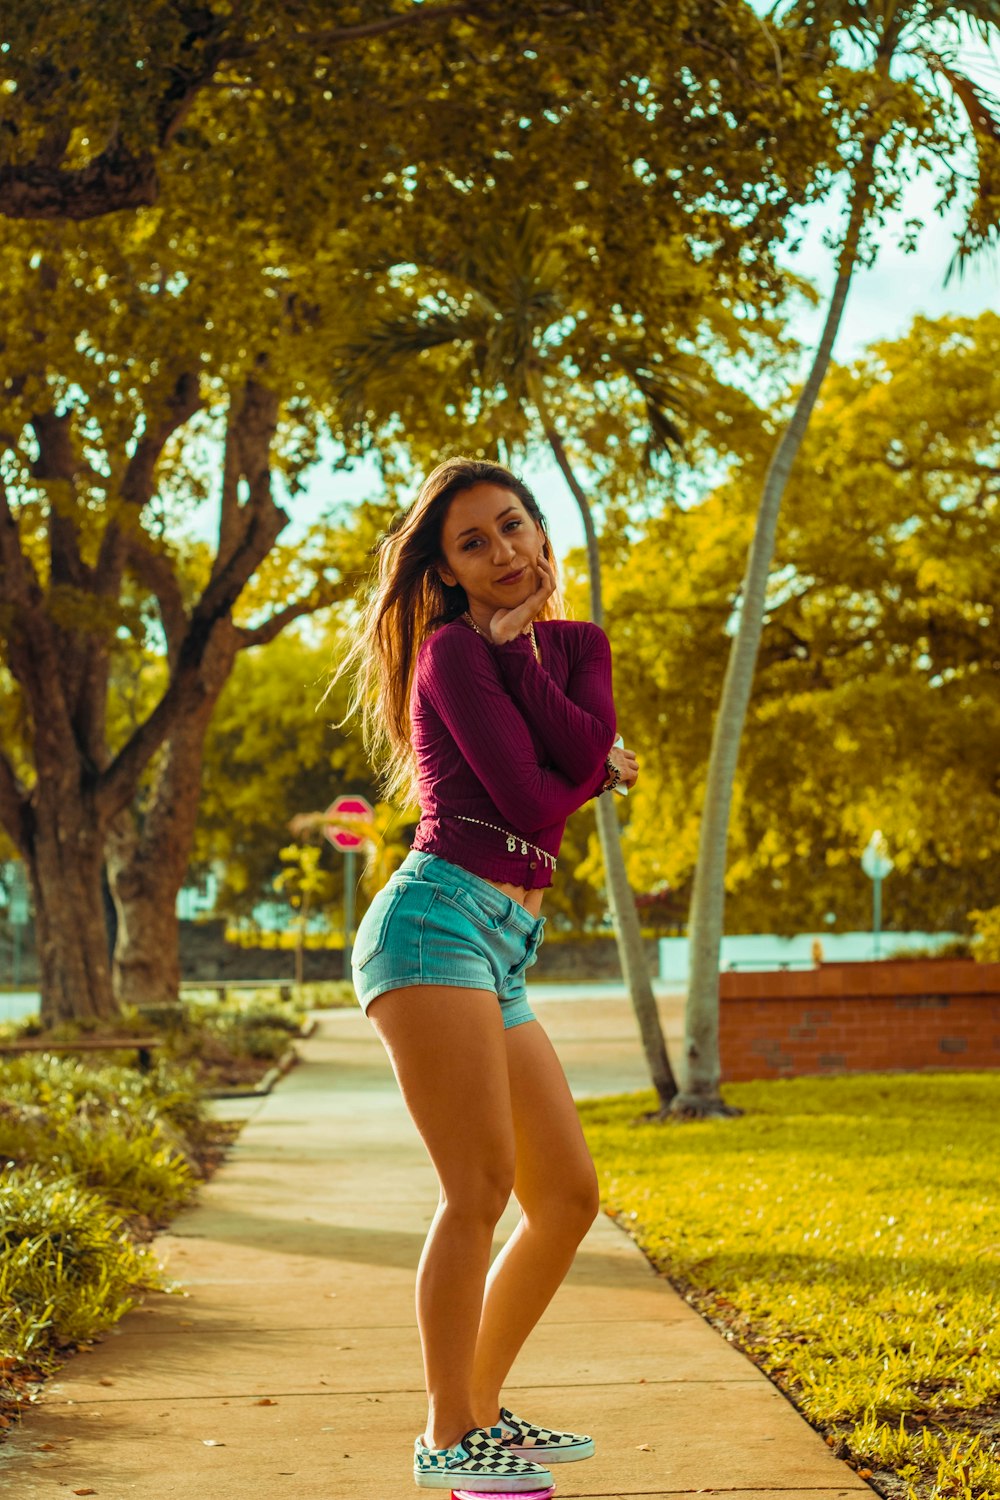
846,1233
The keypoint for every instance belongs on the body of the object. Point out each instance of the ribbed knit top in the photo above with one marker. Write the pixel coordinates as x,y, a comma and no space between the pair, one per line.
508,740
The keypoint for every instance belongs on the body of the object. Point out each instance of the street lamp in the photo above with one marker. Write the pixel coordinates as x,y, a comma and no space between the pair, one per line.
877,865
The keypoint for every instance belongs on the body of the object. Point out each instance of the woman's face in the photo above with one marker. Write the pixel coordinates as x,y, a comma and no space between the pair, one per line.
488,535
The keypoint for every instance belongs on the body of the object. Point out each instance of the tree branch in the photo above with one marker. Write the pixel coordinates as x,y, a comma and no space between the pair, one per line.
15,813
245,528
114,180
261,635
120,178
17,572
255,529
154,571
137,485
336,37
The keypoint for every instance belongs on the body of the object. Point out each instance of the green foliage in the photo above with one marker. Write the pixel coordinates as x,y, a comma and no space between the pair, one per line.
130,1136
987,943
873,700
847,1231
68,1269
270,754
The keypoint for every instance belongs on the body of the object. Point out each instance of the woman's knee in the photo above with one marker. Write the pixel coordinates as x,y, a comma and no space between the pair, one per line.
569,1205
480,1193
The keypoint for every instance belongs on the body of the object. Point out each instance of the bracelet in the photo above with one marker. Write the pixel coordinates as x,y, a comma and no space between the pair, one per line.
614,776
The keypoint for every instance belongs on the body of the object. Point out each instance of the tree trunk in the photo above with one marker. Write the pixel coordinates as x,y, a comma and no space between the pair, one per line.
700,1097
621,898
147,863
144,885
64,868
631,954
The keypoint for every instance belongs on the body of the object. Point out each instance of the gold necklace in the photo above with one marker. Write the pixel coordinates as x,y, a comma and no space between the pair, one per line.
531,634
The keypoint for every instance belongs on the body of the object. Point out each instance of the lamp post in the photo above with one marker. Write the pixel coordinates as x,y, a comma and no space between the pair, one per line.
877,865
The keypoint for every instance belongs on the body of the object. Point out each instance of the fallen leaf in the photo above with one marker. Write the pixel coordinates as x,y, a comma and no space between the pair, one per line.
85,1492
212,1443
46,1447
864,1473
104,1380
266,1401
643,1448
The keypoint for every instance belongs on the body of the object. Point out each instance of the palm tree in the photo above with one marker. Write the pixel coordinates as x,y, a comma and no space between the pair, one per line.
503,310
911,91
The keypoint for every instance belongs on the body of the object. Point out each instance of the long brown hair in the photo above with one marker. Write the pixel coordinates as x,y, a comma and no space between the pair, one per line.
405,602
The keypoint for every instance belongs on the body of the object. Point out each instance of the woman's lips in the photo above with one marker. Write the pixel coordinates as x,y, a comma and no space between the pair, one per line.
513,578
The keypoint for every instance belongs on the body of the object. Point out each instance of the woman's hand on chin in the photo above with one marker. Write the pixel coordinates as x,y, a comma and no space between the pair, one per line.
508,623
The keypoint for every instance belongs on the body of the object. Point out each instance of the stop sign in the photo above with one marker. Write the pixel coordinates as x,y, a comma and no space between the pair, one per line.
347,807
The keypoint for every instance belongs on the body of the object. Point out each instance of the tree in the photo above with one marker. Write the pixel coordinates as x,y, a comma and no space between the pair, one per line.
526,308
270,756
131,355
306,886
874,703
103,451
897,111
99,101
511,312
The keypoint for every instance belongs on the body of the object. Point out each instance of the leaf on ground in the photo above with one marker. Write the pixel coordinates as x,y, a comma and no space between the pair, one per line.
265,1401
212,1443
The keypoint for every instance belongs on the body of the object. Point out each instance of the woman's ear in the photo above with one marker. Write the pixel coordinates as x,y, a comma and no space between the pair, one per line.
446,577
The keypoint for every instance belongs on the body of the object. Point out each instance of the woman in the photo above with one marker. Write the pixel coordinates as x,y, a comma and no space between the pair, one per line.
484,704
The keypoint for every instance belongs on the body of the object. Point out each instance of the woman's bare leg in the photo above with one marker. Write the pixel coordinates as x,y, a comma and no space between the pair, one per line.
448,1052
556,1188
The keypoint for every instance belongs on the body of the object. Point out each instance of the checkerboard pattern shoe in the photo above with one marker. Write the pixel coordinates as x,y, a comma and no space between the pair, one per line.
538,1443
477,1462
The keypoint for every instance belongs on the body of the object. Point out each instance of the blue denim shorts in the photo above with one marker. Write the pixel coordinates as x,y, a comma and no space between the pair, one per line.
435,923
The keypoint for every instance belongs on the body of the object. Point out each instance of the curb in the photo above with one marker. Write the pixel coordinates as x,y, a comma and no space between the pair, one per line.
286,1061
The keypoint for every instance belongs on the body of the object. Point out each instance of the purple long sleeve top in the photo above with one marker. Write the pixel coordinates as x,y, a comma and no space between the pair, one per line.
509,741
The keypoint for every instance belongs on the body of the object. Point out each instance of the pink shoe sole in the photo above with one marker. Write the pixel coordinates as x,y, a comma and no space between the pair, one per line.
504,1495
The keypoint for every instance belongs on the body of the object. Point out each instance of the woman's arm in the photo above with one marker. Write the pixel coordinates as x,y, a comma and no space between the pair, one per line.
457,677
573,725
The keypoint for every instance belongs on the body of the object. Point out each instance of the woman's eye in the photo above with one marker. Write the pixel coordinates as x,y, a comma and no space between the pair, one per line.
475,543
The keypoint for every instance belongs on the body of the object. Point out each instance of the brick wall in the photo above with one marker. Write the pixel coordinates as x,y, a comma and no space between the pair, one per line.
902,1014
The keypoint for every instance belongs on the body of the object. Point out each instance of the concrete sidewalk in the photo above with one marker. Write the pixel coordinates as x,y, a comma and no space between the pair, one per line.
291,1367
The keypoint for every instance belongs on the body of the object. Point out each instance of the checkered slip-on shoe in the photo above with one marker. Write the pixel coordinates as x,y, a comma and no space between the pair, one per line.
538,1443
477,1462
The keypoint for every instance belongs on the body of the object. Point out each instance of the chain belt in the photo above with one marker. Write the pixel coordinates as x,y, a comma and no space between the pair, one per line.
513,839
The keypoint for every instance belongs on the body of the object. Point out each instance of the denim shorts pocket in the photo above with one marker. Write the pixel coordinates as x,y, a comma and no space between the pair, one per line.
374,926
463,901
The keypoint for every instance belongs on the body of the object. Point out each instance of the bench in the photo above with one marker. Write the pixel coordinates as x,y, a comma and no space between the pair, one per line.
142,1046
222,987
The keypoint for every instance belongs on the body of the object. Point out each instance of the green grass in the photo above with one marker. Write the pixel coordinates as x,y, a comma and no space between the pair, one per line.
846,1231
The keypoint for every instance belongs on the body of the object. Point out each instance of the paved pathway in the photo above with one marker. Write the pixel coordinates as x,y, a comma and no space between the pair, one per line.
290,1364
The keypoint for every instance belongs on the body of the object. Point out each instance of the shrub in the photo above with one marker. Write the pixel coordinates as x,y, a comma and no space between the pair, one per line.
131,1136
986,945
68,1270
